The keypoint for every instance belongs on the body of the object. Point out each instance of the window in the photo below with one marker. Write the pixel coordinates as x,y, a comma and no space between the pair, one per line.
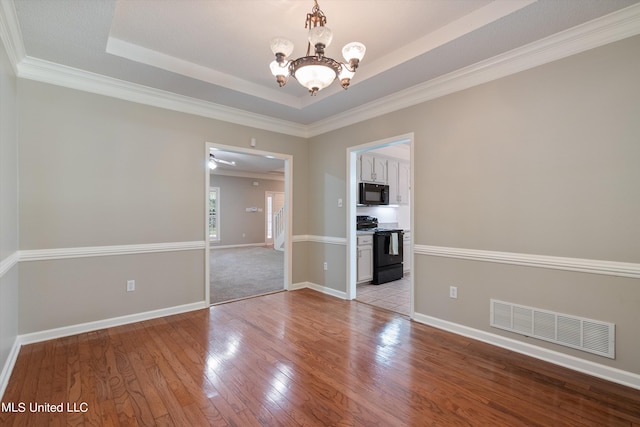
269,216
214,219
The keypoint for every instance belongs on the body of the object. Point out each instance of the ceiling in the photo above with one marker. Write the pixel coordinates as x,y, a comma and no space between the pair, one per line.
248,165
214,54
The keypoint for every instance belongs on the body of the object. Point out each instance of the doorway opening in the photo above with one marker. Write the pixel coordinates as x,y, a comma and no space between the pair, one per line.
243,187
387,162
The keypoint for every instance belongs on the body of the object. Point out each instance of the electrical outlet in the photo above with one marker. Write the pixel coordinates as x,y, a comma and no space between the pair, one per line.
326,266
453,292
131,285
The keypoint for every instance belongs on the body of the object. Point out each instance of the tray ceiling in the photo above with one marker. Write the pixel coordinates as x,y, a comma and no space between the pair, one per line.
217,52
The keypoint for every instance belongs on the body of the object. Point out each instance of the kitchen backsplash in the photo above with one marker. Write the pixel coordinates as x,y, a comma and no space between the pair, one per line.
389,217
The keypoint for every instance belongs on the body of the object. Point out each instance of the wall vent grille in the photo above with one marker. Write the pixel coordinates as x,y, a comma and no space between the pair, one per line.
583,334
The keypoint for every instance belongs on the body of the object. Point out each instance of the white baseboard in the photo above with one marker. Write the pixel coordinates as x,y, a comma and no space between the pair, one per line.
245,245
319,288
608,373
300,285
8,366
66,331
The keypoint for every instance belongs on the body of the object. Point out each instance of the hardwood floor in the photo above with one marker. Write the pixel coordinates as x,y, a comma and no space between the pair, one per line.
300,358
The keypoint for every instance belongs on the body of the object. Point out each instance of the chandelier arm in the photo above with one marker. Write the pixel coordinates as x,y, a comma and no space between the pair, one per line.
348,66
282,80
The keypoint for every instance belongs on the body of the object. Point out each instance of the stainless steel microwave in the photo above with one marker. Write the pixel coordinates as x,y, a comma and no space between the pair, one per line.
373,194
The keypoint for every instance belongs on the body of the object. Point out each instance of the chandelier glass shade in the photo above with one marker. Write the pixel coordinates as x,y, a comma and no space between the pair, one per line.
317,71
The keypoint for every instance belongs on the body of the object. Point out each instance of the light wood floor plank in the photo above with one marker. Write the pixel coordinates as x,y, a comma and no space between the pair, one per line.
302,359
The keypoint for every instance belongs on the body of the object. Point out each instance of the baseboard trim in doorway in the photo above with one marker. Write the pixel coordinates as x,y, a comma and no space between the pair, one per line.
247,297
8,366
319,288
245,245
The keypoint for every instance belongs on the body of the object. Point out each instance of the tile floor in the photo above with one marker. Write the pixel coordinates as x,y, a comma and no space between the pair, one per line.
393,296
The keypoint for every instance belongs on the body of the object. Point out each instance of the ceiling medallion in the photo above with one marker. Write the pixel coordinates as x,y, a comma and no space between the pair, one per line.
315,72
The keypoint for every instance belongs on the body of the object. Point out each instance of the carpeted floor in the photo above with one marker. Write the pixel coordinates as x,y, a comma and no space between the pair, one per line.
243,272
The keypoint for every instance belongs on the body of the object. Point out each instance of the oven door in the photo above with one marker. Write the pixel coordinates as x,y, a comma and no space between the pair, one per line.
387,248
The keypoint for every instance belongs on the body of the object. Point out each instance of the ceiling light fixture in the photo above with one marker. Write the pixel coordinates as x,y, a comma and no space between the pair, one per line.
315,72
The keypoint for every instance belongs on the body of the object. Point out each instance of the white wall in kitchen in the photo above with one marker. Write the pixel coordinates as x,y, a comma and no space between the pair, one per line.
385,214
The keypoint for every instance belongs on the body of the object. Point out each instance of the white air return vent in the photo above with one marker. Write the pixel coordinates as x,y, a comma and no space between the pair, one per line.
588,335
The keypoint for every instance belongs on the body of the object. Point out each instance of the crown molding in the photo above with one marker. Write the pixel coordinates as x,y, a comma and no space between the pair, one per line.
598,32
607,29
61,75
10,34
175,65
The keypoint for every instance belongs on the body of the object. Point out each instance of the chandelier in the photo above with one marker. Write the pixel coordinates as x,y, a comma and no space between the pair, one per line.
315,72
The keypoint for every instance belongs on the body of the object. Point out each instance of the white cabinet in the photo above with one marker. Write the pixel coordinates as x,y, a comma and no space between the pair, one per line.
392,176
372,169
399,179
365,258
406,252
404,183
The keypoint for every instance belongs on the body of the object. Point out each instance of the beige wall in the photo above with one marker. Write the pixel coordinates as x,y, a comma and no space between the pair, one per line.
65,292
98,171
237,194
335,257
8,211
542,162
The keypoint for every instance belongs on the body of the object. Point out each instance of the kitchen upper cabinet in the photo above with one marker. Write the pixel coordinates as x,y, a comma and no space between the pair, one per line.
372,169
404,183
399,180
392,177
386,170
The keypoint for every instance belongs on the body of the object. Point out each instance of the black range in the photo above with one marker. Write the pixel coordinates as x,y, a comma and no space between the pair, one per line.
387,250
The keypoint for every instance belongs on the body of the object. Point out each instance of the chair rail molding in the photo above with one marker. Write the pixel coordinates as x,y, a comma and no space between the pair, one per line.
609,268
93,251
8,263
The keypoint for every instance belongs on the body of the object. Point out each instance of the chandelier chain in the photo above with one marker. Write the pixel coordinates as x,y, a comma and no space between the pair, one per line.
316,17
